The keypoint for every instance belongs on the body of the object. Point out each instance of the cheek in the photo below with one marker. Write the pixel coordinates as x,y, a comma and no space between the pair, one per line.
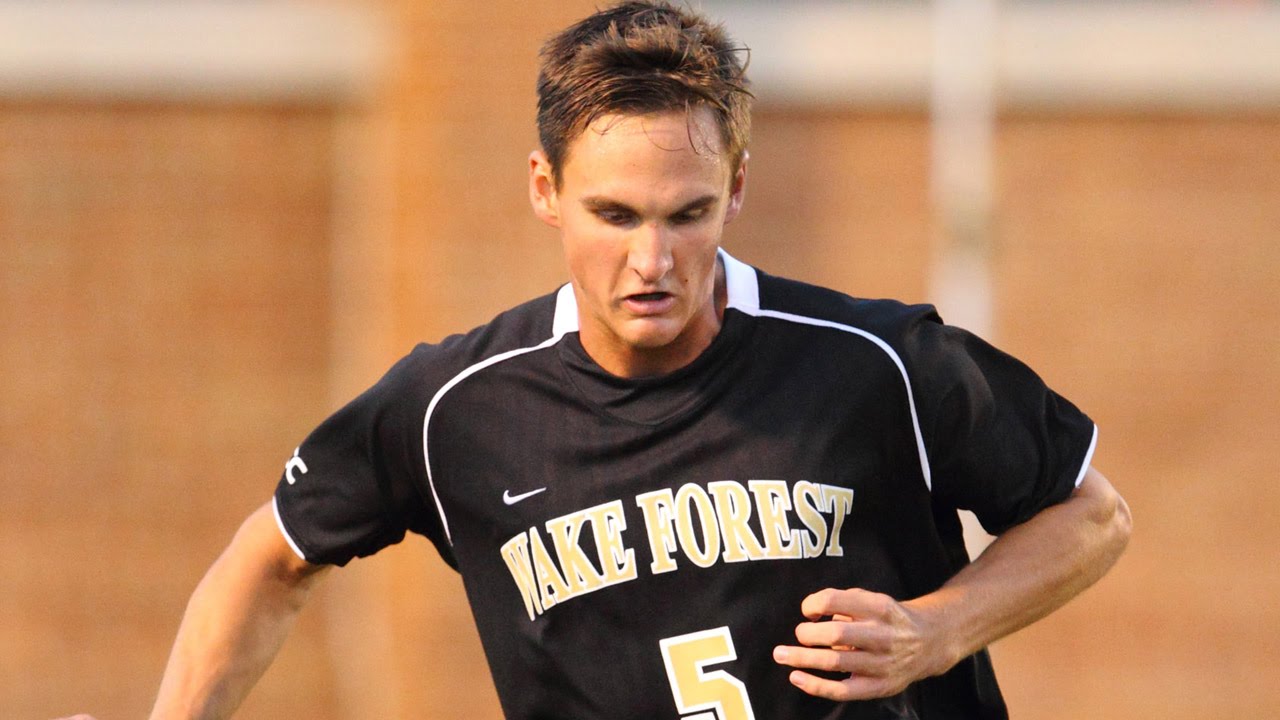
583,234
697,251
589,260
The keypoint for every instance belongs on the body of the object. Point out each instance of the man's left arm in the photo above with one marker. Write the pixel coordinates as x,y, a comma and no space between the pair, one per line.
1028,572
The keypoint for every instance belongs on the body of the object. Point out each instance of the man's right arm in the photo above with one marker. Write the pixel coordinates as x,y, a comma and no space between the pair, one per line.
235,622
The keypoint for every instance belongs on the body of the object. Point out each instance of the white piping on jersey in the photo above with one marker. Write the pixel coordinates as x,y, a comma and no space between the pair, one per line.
275,510
558,331
744,294
742,277
1088,456
911,401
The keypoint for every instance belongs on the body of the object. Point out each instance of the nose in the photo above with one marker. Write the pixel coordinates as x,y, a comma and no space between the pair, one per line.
649,254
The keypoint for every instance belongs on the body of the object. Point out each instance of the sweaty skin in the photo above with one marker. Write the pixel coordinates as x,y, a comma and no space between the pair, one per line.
641,206
234,624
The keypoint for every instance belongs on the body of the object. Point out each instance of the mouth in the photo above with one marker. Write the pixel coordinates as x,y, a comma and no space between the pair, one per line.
652,303
649,297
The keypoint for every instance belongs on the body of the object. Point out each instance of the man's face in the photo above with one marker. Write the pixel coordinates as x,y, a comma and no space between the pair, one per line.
641,206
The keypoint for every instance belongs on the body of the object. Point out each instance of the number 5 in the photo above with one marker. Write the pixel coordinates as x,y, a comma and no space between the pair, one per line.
694,689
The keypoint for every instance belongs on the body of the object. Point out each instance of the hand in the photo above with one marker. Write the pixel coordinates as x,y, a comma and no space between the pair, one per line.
883,645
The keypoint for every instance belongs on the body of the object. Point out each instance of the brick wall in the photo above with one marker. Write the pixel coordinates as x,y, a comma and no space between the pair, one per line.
163,304
168,318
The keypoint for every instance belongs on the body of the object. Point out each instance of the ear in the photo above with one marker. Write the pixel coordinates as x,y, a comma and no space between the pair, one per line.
737,189
542,189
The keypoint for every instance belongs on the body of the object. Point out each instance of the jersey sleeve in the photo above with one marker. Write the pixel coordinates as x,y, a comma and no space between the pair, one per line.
998,440
355,484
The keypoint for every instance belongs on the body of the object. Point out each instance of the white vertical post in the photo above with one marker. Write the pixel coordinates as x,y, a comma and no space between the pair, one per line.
963,112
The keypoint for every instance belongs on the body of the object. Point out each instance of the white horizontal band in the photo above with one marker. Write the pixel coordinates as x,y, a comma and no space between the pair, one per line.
1136,55
195,49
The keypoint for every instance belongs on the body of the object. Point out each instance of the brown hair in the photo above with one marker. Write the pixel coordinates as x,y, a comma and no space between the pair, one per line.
640,57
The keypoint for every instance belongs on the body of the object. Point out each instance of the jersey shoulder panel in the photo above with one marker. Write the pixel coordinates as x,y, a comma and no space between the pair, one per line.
359,481
994,438
889,320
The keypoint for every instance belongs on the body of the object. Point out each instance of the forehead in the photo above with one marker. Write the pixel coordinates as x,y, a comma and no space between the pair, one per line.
654,148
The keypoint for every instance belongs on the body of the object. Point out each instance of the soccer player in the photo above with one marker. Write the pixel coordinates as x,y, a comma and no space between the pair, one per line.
679,486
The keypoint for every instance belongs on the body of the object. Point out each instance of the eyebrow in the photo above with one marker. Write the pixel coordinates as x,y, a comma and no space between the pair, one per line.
596,203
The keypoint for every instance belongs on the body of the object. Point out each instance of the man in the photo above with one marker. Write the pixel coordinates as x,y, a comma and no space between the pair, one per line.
687,454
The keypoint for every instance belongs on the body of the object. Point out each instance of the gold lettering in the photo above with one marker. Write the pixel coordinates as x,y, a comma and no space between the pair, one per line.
708,524
808,504
701,556
607,524
733,505
581,575
838,500
772,503
659,515
552,587
516,552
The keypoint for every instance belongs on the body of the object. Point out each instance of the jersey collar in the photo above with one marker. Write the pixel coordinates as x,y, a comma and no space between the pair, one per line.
741,285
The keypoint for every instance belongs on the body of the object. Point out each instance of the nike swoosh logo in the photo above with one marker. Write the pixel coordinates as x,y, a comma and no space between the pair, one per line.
510,499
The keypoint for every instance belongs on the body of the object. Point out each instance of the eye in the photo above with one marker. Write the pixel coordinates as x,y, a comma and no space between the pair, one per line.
616,216
688,217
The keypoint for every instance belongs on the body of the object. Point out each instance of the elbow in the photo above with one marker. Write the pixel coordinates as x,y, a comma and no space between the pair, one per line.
1121,524
1114,522
1108,515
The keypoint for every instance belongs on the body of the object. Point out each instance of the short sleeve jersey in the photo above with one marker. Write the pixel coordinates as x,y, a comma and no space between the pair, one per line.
635,548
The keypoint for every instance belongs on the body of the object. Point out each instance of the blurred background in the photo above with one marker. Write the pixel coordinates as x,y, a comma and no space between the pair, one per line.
221,220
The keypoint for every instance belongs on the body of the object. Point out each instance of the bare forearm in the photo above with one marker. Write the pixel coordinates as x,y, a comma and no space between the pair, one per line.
234,624
1030,571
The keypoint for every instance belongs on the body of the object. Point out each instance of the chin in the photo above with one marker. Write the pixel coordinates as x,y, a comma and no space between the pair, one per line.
651,340
651,335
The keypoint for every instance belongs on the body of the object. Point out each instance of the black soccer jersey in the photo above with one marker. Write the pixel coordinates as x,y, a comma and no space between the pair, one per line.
635,548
